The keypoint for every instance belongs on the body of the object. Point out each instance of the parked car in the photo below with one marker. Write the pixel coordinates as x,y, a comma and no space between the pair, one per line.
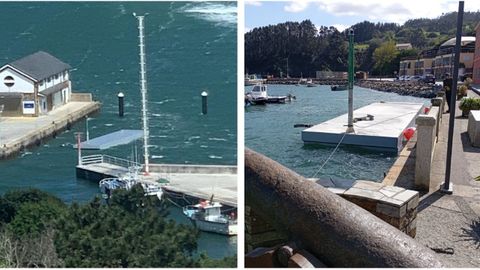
429,78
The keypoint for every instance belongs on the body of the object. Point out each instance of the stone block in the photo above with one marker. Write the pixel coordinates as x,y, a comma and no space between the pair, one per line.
391,210
367,185
392,201
413,203
406,195
425,120
436,101
393,189
367,204
367,194
474,128
260,258
387,193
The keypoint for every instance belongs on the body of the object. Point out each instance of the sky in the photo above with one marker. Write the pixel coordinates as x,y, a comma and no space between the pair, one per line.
343,13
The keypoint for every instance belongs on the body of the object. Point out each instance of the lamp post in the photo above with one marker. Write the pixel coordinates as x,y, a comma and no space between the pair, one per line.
447,188
87,135
1,111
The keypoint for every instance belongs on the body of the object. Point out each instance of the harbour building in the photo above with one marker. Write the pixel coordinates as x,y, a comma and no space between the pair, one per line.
34,85
476,57
439,60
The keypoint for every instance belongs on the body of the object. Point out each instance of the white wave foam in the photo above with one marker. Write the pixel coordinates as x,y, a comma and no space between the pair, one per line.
157,157
215,157
203,146
221,13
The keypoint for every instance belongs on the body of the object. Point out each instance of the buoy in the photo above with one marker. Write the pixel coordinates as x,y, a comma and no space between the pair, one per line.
204,102
408,133
120,104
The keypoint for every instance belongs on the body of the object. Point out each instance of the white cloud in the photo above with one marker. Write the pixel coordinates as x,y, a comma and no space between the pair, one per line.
253,3
397,11
246,30
296,6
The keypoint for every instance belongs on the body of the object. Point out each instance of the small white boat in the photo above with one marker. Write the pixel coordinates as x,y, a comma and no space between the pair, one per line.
310,83
207,216
126,182
259,96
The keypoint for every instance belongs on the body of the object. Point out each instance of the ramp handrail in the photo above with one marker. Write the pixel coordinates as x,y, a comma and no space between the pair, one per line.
336,231
94,159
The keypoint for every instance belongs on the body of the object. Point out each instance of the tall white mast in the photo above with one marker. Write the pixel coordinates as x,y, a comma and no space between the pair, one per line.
143,89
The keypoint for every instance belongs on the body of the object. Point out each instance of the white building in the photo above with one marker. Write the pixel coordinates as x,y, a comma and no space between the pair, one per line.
34,85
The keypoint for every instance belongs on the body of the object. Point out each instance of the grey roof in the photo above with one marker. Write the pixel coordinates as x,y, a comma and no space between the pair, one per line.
40,65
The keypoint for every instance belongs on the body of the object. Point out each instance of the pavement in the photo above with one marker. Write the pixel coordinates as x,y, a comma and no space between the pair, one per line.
13,128
451,223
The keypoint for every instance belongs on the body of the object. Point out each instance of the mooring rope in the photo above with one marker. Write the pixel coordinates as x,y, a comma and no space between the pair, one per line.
331,155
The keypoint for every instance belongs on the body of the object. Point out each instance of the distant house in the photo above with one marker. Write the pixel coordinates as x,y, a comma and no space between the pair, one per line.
476,58
34,85
403,46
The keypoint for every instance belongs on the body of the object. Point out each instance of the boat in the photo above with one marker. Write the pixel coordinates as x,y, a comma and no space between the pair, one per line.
253,80
339,87
207,216
127,181
310,83
259,96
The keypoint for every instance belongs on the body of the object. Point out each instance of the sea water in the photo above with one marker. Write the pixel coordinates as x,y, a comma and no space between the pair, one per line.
270,130
190,48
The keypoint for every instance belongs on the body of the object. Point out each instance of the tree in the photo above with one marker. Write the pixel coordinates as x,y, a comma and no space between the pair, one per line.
384,57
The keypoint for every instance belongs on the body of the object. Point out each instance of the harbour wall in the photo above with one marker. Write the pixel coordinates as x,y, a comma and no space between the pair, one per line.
39,133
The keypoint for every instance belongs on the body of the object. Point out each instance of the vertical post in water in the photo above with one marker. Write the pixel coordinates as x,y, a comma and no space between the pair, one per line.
120,104
79,148
350,82
143,88
204,102
451,124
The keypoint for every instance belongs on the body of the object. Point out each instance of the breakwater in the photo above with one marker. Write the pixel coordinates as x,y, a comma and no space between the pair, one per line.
298,81
404,88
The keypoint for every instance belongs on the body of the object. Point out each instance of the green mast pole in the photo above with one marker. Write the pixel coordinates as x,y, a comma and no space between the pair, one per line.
350,82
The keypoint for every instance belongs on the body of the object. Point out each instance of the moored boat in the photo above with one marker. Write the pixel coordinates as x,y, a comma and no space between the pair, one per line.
339,87
207,216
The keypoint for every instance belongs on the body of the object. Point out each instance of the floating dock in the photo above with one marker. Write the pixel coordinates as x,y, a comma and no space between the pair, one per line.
385,131
119,137
186,182
18,133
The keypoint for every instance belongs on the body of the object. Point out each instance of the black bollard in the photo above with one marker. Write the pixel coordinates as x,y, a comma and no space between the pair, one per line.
204,102
120,104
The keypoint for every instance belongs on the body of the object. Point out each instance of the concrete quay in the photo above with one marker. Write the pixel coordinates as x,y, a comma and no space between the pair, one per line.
384,131
187,183
17,133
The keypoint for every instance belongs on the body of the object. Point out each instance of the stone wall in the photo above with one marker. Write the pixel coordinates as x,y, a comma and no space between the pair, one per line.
395,205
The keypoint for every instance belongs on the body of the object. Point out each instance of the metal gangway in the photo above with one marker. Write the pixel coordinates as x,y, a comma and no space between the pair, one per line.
104,165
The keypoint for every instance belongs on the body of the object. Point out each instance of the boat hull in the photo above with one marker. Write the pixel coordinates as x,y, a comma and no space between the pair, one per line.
214,227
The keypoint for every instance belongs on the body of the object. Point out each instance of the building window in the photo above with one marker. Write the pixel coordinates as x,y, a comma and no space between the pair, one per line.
49,79
56,76
9,81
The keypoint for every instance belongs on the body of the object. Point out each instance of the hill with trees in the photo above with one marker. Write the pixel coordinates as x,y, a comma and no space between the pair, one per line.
305,49
39,230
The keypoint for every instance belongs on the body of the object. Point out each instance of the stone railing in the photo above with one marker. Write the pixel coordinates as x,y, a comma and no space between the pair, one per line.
427,136
335,231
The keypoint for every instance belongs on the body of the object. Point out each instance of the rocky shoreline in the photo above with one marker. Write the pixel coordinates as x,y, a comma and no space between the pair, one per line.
407,88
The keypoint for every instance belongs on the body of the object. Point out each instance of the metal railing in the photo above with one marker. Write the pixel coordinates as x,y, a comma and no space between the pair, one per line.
95,159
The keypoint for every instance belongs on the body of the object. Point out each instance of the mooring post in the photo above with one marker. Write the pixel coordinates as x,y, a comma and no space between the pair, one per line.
204,102
338,232
350,82
120,104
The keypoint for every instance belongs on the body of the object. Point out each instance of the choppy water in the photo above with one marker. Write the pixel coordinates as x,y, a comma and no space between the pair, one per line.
269,130
190,47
